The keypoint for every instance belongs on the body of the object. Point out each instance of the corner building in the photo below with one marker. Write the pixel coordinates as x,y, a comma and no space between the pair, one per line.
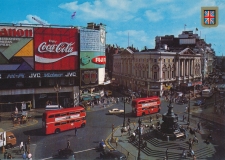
151,72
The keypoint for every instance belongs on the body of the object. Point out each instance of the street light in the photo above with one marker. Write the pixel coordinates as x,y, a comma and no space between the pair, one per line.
124,101
189,108
139,138
57,88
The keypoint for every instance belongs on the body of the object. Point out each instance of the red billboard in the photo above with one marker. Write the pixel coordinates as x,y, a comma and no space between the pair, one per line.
56,48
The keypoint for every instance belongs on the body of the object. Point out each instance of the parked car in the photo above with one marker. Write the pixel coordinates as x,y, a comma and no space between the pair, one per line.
181,100
108,93
114,154
116,111
199,102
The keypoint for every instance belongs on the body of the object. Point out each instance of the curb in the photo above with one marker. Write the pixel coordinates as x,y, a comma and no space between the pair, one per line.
22,126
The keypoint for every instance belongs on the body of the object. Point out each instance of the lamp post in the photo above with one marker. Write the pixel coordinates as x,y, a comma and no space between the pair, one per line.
139,138
57,88
124,101
188,121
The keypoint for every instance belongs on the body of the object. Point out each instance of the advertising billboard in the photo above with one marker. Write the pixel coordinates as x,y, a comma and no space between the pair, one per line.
92,48
89,77
56,48
16,48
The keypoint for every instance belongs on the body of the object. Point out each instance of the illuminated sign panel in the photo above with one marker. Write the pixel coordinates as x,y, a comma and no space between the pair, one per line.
92,48
56,48
16,48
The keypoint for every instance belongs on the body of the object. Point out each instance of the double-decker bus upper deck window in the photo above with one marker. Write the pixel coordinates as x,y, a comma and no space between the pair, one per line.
77,112
71,113
57,115
82,111
77,120
51,116
72,121
63,114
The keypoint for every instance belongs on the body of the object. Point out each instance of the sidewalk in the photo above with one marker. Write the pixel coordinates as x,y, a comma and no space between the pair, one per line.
156,148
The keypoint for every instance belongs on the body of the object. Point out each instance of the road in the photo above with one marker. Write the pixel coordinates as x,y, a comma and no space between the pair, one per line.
98,127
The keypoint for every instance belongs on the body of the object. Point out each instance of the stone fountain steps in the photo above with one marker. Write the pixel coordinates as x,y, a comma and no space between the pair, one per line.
163,144
157,153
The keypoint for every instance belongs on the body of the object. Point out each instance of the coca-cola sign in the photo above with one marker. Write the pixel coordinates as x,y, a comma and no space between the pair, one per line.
56,48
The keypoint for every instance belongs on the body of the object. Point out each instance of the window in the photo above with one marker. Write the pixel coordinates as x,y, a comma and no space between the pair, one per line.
155,75
163,75
72,113
155,60
57,124
62,123
57,115
168,74
51,116
72,121
63,114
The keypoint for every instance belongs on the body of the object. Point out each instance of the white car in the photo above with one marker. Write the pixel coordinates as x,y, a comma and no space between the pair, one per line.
116,111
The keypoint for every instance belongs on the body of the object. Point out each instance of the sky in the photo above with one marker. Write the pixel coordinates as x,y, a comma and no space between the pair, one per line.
128,22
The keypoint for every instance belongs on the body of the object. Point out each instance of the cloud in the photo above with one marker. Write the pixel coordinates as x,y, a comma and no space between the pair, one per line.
109,10
153,16
30,20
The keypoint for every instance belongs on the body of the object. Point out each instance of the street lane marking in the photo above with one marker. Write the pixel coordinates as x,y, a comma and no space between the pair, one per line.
73,152
85,150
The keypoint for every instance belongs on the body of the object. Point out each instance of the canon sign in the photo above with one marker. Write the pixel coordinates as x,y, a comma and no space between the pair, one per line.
9,32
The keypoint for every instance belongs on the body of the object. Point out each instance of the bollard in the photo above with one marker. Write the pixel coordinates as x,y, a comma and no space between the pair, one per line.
168,138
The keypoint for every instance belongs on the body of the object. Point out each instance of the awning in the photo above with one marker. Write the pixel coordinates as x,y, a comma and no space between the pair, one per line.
97,96
86,98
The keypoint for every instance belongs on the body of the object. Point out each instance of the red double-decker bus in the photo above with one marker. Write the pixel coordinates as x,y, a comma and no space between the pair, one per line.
55,121
144,106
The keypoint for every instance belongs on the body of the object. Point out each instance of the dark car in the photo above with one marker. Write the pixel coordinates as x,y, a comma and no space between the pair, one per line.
181,100
199,102
65,154
114,154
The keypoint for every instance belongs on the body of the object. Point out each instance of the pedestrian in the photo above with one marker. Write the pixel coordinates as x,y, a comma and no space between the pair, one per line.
199,126
167,153
21,147
150,119
25,146
29,156
68,144
28,140
184,118
24,156
184,155
75,130
186,108
121,132
9,156
128,121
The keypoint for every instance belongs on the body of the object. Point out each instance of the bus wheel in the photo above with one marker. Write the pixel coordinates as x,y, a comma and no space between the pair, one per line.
57,130
143,114
83,125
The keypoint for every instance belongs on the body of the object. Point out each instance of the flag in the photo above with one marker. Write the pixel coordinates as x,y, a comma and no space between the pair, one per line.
73,15
209,17
196,29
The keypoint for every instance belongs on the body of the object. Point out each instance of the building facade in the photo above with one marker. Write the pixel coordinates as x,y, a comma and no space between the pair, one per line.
40,64
152,72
